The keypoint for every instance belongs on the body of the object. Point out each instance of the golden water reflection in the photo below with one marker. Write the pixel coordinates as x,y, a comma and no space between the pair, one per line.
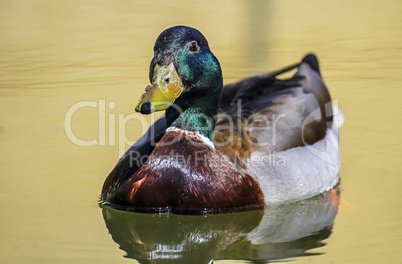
279,232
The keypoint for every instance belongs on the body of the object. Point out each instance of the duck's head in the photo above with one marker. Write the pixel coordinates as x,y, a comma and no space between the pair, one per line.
182,70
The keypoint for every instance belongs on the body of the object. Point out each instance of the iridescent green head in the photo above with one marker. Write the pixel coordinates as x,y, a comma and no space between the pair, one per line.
182,70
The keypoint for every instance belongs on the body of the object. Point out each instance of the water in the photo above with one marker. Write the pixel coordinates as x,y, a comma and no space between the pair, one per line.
57,54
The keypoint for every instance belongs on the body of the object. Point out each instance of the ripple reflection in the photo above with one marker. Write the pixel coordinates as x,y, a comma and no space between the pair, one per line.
278,232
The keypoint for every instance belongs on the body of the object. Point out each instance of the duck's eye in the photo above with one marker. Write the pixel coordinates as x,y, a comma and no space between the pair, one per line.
166,80
193,47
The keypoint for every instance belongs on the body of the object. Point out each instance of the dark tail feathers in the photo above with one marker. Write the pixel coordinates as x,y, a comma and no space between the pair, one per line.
312,60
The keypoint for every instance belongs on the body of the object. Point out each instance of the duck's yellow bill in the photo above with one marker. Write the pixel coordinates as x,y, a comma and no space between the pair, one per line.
165,88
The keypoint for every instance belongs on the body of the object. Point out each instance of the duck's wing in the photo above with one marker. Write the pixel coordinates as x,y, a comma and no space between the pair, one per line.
249,88
264,113
136,155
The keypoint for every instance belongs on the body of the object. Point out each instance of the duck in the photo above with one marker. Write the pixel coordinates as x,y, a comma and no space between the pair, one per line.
261,141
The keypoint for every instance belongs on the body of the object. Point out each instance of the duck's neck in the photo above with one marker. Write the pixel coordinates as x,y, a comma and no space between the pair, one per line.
199,115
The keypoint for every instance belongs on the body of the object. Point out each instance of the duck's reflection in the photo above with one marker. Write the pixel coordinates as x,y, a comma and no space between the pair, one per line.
275,233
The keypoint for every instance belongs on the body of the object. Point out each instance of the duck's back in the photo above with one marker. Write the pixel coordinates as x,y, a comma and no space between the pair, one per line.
282,132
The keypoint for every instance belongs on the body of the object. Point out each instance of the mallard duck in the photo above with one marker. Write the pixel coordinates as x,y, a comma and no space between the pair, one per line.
242,146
